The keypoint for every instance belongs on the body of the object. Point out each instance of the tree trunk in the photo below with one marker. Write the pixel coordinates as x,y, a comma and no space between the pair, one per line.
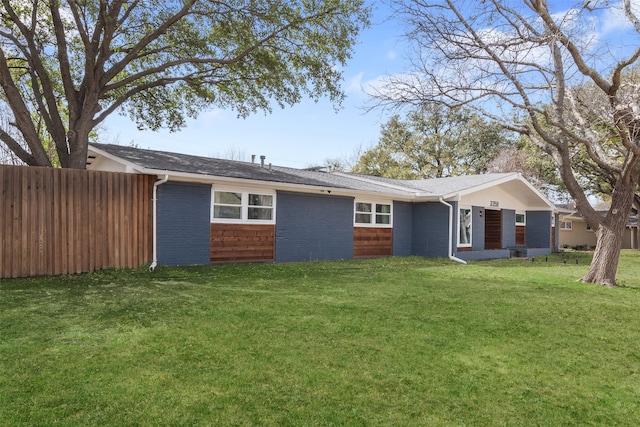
610,235
78,143
605,258
635,232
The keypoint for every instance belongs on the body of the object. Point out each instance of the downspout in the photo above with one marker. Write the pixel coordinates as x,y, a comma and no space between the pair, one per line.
159,182
451,222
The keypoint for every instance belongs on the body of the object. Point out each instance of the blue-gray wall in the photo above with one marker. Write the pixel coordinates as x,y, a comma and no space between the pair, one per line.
183,223
312,227
402,214
538,229
477,228
508,228
430,225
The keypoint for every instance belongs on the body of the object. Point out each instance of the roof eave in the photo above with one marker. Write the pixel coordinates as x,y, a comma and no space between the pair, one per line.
284,186
130,166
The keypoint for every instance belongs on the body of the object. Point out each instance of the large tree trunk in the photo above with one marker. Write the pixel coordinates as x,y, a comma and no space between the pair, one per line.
605,258
610,235
635,232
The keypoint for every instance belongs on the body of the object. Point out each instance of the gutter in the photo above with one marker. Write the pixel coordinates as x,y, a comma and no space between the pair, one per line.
450,254
159,182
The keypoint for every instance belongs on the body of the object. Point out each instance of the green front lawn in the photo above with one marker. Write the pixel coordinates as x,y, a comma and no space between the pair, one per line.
393,342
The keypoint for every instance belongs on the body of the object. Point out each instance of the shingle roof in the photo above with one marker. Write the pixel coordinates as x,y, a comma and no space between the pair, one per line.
185,163
176,162
445,185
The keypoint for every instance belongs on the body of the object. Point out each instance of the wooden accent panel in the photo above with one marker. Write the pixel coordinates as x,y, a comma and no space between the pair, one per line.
492,229
463,249
372,242
553,238
64,221
242,242
521,233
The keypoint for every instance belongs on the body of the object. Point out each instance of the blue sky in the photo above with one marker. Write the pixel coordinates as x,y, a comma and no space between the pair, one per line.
309,133
299,136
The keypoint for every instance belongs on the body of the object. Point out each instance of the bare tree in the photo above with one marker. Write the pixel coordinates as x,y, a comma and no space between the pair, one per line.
525,65
344,162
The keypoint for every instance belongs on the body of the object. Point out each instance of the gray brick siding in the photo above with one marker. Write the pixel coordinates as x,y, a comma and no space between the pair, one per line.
183,223
402,232
312,227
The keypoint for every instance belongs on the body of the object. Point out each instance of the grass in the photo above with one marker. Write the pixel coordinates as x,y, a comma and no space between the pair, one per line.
402,341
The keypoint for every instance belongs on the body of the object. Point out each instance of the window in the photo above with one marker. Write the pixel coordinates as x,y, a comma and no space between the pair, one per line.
464,227
363,213
383,214
260,207
521,219
227,205
566,225
242,206
374,214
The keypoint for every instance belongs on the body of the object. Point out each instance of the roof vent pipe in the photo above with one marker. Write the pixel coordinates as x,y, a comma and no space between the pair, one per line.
253,158
269,167
262,161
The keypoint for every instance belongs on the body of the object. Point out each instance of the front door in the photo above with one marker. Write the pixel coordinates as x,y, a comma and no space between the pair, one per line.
492,229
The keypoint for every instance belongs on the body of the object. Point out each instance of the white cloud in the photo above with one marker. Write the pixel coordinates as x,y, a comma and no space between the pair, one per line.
357,85
614,20
354,85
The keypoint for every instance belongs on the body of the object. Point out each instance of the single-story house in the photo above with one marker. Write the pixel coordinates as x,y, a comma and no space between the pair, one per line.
209,210
574,232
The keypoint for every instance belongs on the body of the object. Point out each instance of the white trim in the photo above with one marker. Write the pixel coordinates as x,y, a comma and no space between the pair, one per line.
244,205
465,245
451,255
525,218
516,176
374,204
129,166
154,261
276,186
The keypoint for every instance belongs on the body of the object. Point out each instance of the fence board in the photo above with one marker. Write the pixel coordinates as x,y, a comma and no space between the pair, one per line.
55,221
24,210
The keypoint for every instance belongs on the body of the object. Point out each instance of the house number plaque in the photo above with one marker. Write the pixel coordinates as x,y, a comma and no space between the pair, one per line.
494,204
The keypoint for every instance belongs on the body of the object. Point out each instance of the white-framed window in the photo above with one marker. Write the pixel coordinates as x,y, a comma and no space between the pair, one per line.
464,226
521,218
260,207
566,225
243,205
227,205
373,214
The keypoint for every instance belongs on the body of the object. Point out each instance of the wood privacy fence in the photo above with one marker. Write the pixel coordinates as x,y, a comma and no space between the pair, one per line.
62,221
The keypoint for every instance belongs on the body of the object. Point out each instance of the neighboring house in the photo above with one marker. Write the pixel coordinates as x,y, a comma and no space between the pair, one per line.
210,210
575,233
